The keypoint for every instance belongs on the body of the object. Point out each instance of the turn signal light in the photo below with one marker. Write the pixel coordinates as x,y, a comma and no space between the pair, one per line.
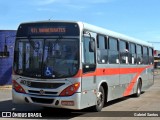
17,87
70,90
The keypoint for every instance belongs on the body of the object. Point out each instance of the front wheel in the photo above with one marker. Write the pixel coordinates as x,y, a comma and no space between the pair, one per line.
100,100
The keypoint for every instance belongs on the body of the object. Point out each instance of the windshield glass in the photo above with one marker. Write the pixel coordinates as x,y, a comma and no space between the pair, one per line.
46,58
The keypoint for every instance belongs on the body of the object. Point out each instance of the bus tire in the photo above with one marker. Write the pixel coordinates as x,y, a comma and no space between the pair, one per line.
138,89
100,100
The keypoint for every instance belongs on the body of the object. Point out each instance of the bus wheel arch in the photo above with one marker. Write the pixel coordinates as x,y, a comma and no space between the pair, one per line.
101,97
105,87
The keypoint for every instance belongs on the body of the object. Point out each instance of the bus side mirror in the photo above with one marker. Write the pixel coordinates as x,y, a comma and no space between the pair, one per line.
91,46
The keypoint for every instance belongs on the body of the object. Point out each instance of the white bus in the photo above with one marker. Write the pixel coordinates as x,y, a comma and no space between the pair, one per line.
75,65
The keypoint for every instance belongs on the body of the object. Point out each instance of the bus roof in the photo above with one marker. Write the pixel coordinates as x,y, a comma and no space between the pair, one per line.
115,34
101,30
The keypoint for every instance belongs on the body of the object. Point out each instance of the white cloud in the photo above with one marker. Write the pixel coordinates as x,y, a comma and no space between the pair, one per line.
101,1
48,2
99,13
75,6
44,2
46,9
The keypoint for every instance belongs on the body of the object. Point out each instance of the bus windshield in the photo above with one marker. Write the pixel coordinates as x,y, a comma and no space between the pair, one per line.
46,58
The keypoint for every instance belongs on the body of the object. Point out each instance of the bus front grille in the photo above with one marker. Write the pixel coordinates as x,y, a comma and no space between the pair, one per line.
45,85
42,100
45,93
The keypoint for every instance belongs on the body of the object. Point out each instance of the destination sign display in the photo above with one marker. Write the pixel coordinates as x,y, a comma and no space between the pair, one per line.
48,29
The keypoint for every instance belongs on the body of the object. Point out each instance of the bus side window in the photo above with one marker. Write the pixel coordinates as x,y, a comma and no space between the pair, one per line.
132,53
145,55
101,49
113,54
124,50
151,58
139,54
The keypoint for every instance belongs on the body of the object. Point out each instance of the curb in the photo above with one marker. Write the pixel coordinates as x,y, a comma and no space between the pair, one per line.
5,87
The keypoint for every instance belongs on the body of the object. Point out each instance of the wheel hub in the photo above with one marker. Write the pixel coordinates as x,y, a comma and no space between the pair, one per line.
99,98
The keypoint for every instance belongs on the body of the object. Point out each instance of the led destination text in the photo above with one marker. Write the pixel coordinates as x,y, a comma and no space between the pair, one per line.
48,30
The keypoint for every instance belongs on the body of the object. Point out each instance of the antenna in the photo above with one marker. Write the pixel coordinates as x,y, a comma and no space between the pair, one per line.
50,18
153,42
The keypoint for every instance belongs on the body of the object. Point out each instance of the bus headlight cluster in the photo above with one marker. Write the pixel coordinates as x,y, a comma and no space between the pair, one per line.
70,90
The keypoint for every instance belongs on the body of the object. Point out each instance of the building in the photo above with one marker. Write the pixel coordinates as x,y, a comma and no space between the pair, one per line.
7,40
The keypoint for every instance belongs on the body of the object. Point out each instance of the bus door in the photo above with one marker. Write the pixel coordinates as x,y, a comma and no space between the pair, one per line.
88,72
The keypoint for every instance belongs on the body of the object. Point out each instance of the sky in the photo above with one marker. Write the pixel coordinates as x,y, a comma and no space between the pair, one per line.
135,18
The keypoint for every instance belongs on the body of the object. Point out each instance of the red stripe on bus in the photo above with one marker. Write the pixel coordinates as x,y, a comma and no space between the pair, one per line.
131,85
110,71
133,81
116,71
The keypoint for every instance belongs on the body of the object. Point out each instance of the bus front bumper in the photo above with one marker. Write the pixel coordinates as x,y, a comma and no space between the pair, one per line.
69,102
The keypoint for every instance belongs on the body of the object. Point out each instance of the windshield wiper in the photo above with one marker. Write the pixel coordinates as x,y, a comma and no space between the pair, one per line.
58,39
31,43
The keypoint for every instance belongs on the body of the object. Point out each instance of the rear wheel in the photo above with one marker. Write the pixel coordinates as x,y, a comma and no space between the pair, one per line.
139,89
100,100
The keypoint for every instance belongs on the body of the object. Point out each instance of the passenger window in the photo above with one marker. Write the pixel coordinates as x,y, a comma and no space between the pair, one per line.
101,49
113,54
145,55
132,54
101,42
151,58
124,50
139,54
